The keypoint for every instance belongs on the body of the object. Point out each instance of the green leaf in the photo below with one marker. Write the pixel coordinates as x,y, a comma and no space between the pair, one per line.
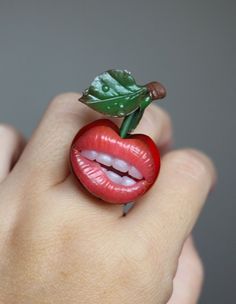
114,93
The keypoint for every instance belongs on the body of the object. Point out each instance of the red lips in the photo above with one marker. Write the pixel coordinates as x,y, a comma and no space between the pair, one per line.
136,157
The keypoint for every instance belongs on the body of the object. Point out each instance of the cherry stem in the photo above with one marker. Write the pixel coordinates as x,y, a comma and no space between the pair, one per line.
129,123
155,91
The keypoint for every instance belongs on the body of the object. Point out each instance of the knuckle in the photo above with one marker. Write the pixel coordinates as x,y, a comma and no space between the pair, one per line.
164,115
141,252
143,256
63,100
157,122
192,164
153,112
146,266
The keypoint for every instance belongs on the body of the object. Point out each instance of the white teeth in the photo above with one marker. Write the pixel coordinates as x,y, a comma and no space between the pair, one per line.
90,154
120,165
116,163
104,159
114,177
127,181
135,173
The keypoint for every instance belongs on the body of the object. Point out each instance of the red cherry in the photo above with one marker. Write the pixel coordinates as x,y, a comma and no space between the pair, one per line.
137,150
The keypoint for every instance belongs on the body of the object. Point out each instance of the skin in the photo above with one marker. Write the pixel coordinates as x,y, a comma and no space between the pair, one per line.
60,245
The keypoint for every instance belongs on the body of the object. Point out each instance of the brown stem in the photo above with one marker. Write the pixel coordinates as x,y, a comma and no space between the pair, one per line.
156,90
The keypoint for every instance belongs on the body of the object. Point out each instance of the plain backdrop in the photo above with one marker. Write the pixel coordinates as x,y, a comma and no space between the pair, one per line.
48,47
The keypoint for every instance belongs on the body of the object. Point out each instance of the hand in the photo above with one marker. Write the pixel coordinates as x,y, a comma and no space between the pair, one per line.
58,244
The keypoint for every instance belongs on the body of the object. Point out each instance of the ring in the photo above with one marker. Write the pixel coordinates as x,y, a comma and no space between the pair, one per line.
110,162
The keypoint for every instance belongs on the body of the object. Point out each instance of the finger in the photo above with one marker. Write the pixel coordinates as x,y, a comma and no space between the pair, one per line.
189,276
12,144
169,211
156,123
46,155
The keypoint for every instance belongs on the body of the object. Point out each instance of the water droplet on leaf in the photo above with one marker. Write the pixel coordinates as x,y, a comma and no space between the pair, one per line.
105,88
121,113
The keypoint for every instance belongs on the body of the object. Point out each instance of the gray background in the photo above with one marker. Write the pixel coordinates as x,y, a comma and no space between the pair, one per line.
47,47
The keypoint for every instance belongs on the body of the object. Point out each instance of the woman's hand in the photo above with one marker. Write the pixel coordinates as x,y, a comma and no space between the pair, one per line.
58,244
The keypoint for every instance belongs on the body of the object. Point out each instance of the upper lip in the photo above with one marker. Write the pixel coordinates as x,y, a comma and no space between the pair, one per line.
137,155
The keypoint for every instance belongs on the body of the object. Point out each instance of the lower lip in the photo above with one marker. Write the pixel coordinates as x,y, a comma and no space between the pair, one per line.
134,150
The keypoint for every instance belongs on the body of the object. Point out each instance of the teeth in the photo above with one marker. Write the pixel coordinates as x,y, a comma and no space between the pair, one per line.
90,154
135,173
116,163
114,177
120,165
127,181
104,159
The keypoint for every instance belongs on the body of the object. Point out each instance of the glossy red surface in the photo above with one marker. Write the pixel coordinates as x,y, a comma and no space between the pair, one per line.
103,136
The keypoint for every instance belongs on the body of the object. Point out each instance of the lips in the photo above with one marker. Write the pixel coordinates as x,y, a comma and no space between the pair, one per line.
114,169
